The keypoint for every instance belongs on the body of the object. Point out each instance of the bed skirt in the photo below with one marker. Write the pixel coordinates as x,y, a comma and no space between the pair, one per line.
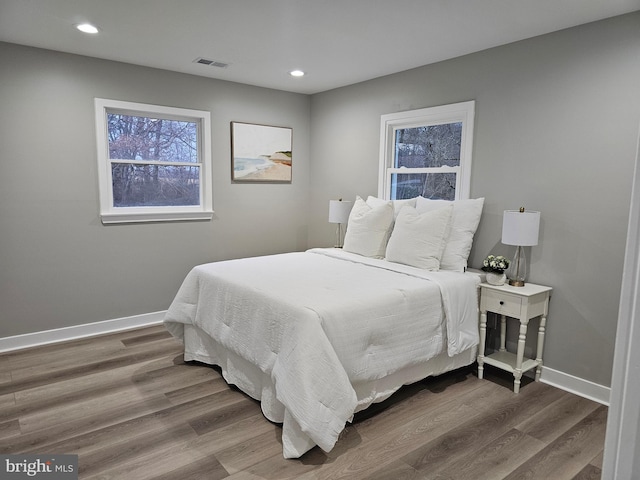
198,346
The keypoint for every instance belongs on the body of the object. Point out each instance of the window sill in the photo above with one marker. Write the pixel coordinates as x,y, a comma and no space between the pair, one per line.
146,217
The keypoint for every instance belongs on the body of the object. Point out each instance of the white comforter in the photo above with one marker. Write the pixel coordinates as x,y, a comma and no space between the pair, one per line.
321,321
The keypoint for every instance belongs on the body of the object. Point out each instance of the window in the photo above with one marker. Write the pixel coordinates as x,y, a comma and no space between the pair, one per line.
427,152
154,163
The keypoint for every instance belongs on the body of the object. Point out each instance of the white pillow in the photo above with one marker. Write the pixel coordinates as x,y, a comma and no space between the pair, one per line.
418,239
397,204
368,229
464,223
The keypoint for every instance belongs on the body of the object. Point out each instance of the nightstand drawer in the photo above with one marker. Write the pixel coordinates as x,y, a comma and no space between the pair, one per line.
502,303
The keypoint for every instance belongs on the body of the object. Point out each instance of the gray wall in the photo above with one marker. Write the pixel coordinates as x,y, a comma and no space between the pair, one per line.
59,265
555,130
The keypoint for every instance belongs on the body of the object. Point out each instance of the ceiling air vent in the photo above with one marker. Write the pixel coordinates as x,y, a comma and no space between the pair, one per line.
211,63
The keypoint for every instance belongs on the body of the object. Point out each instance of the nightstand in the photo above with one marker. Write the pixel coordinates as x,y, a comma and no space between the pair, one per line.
523,303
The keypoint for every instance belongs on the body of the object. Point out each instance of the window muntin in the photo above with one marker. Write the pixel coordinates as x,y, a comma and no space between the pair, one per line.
427,152
154,162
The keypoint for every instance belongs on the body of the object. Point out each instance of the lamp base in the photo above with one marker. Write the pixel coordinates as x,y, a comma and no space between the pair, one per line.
517,271
339,242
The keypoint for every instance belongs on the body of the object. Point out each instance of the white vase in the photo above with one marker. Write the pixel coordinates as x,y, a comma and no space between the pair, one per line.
494,278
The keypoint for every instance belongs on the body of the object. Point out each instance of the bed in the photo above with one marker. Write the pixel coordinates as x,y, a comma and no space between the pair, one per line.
317,336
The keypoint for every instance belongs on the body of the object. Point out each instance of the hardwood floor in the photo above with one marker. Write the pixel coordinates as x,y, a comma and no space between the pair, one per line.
130,408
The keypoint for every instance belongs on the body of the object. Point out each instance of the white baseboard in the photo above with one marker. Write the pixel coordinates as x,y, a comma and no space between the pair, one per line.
57,335
579,386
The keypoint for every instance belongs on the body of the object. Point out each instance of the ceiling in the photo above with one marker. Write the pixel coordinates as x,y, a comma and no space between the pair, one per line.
336,42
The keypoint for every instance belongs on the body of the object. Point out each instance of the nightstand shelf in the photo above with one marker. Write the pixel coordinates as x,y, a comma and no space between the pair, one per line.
522,303
508,361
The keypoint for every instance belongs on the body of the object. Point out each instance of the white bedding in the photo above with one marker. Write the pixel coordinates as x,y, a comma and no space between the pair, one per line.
319,325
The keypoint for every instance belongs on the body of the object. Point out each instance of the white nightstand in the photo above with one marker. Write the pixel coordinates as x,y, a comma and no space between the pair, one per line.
523,303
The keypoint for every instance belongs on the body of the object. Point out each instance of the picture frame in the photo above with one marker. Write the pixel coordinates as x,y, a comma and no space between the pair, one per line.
261,153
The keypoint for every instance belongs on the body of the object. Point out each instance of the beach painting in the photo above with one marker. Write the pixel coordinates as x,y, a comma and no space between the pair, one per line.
260,153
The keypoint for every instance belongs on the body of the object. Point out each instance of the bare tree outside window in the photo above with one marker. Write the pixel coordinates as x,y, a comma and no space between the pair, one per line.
154,161
430,146
435,186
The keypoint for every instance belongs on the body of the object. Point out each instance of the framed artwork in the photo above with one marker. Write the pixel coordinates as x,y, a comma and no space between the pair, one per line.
261,153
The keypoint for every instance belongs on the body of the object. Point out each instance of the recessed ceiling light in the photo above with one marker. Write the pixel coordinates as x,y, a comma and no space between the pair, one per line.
87,28
296,73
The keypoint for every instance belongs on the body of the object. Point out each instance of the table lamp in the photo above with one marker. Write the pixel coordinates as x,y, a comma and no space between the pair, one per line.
339,213
520,228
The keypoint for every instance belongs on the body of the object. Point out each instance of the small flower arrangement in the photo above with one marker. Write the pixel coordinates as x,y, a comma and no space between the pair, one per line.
496,264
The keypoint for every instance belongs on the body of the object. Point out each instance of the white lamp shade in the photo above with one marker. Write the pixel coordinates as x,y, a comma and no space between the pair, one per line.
339,211
520,227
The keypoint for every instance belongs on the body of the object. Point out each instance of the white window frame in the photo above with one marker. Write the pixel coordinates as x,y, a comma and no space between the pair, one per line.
457,112
110,214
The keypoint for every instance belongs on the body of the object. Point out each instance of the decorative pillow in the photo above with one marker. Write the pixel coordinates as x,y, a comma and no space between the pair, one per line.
397,204
418,239
368,229
464,223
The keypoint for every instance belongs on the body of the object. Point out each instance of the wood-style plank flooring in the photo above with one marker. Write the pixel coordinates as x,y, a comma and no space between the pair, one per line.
130,408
